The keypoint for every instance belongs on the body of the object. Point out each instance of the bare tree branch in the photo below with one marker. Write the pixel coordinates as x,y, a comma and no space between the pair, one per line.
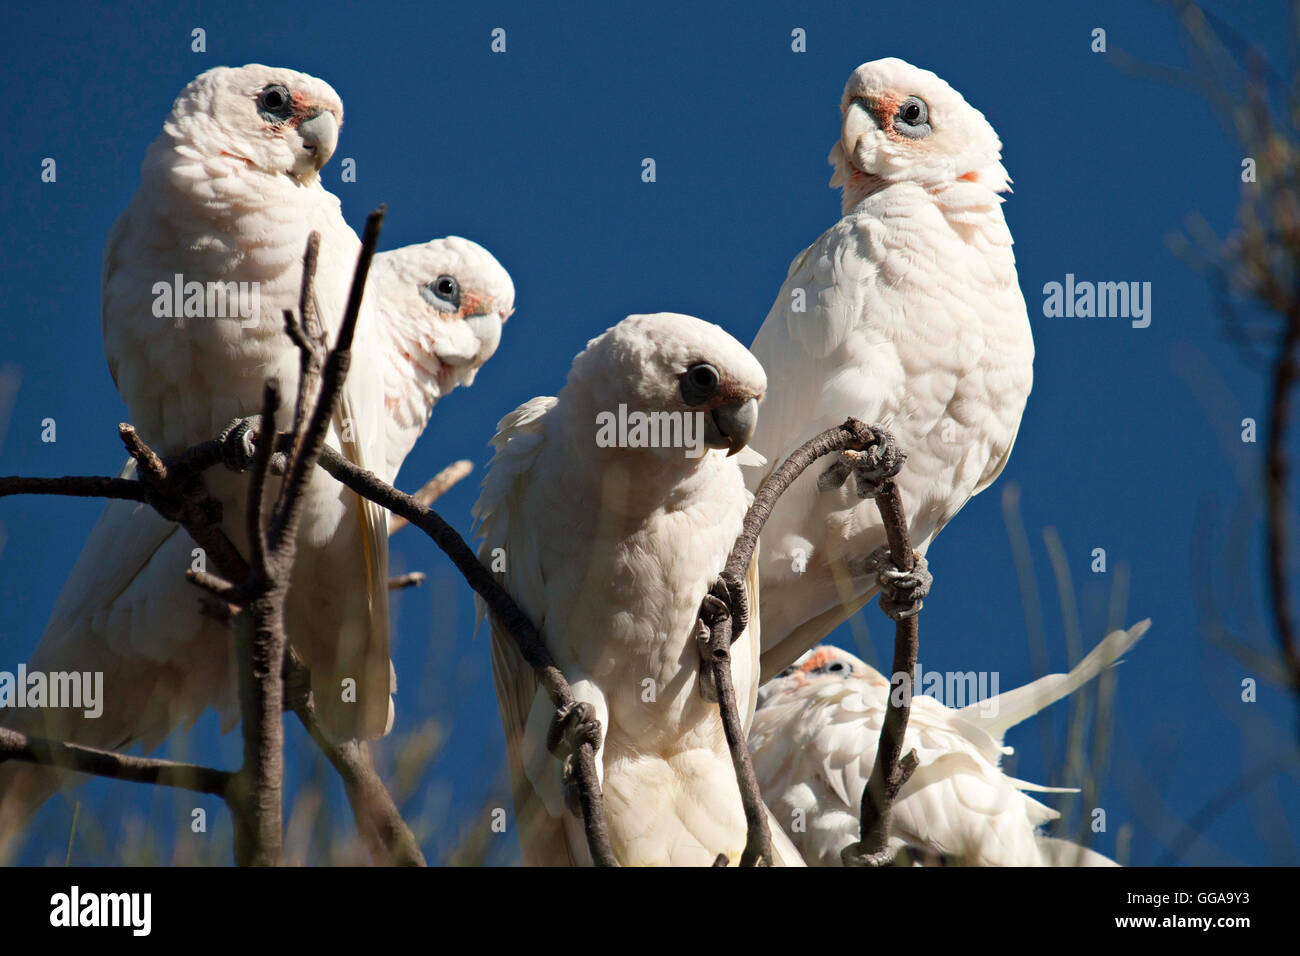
381,826
106,763
124,489
173,486
724,614
575,735
891,769
401,582
434,488
1258,264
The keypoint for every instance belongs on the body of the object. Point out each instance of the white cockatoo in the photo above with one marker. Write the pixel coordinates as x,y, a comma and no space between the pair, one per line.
905,314
814,740
229,193
608,536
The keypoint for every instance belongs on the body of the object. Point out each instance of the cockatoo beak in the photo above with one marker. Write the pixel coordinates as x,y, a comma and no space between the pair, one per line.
731,426
320,136
477,347
858,120
487,329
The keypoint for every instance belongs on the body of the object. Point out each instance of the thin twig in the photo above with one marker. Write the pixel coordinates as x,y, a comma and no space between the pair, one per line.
891,770
173,487
401,582
510,617
106,763
75,486
433,489
378,821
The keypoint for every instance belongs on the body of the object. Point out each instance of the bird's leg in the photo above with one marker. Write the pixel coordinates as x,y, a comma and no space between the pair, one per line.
723,603
871,468
900,591
574,725
239,444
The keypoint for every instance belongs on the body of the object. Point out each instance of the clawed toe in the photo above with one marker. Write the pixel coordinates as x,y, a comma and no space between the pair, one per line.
871,468
900,591
572,727
239,442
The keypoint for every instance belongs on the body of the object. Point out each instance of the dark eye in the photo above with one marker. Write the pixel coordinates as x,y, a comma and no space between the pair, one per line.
704,376
913,118
699,382
837,667
446,287
274,100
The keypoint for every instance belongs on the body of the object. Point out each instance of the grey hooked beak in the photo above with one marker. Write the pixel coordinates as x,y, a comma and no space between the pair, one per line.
485,330
731,426
320,136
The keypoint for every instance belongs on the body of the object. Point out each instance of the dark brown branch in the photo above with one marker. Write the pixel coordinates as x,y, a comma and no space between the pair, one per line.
284,521
891,769
257,484
261,644
714,639
433,489
106,763
74,486
175,492
308,336
378,820
510,617
724,615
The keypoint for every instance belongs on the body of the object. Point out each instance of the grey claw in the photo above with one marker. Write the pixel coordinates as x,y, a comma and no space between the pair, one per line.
239,442
853,855
877,464
900,591
572,727
708,687
871,468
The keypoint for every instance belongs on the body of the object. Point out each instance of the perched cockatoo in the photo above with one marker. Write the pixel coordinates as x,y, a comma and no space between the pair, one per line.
439,311
814,739
229,193
128,612
905,314
609,546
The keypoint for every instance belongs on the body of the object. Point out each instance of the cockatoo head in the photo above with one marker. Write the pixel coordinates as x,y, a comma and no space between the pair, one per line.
667,362
905,124
444,303
823,666
275,121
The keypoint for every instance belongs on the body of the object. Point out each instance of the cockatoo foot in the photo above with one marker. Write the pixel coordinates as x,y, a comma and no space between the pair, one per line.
871,468
723,601
852,855
239,445
572,727
900,591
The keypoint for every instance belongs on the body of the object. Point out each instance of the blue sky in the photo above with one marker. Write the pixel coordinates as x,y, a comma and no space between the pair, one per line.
536,154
